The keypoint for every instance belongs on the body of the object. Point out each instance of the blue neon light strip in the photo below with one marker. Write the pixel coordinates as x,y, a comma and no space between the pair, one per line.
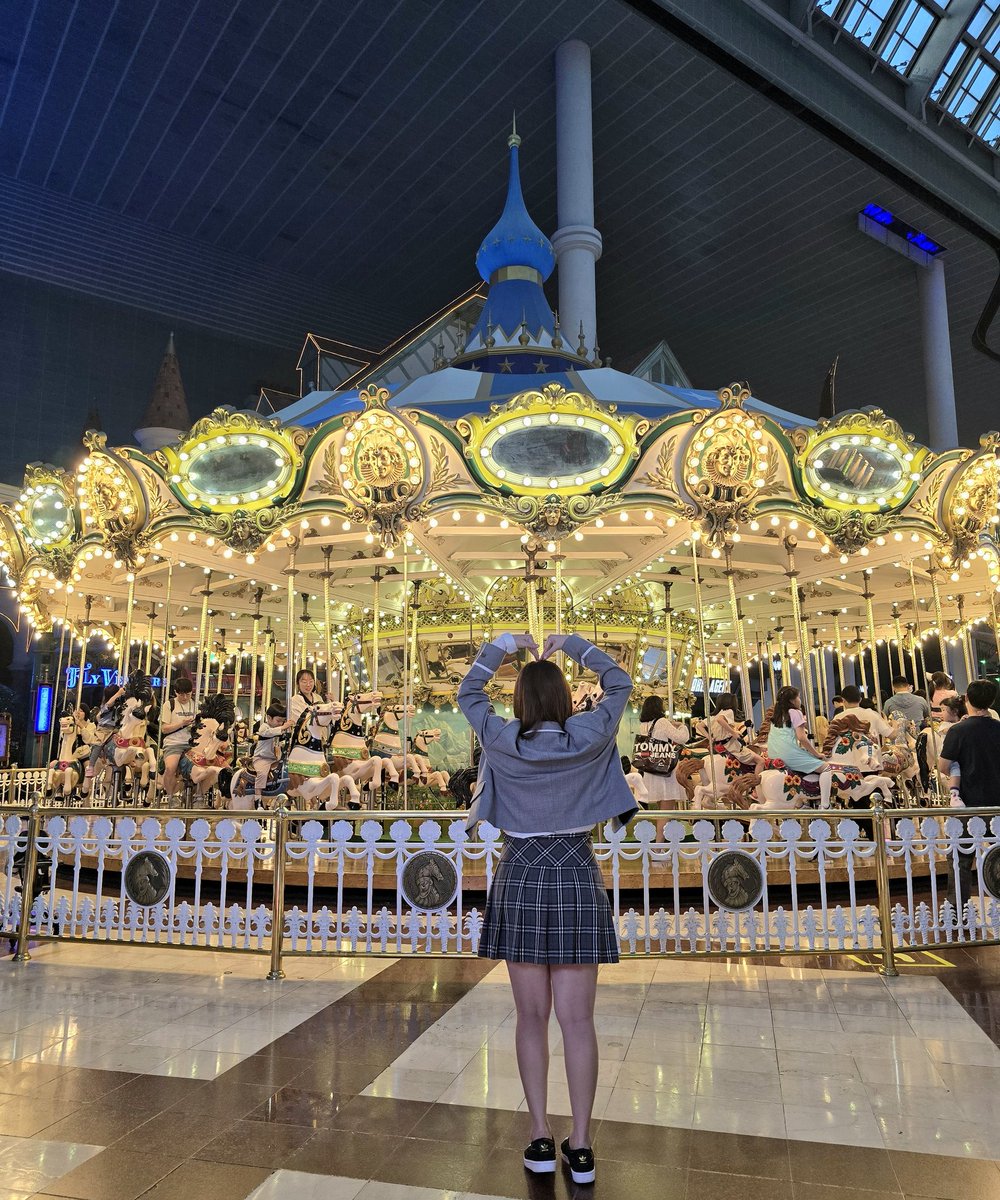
882,216
43,708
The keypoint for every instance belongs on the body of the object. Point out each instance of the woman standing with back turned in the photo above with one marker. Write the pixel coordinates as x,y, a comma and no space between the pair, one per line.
546,778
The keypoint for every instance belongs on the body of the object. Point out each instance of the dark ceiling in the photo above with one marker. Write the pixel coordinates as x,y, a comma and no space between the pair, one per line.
266,167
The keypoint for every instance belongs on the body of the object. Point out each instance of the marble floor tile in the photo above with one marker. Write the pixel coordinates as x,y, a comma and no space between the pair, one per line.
410,1084
844,1123
650,1108
300,1185
723,1116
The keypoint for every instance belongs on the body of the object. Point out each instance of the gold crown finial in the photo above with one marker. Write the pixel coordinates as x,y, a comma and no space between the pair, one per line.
513,140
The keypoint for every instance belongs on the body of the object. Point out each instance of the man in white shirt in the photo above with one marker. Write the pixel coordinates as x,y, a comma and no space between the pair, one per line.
879,726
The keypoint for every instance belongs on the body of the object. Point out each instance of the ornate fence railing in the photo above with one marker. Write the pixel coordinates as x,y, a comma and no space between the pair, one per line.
735,883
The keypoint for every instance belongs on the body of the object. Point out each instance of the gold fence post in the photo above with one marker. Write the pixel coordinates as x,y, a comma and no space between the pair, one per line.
278,889
888,966
28,882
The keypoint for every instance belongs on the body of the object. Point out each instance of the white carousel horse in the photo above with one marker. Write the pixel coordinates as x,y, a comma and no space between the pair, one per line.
310,777
66,769
421,742
210,749
128,749
731,782
388,741
349,752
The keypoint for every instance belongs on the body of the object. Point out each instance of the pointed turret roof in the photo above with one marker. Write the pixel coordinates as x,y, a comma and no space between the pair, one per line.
517,332
167,408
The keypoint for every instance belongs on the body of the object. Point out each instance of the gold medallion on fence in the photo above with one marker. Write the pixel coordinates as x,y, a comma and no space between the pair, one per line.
990,872
147,878
735,881
430,881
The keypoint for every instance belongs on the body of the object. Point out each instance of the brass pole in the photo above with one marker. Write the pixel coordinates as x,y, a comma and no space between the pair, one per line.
668,618
888,966
403,724
860,647
28,882
222,660
869,596
168,670
327,619
741,648
932,571
254,653
805,669
290,628
838,673
54,724
760,678
278,889
237,672
899,641
704,661
151,616
770,668
963,637
202,664
127,631
267,686
916,622
912,640
820,660
376,625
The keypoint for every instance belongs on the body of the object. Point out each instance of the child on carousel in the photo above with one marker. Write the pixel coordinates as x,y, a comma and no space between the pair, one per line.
267,750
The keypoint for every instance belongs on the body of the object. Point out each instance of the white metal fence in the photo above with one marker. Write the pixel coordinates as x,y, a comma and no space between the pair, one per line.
680,884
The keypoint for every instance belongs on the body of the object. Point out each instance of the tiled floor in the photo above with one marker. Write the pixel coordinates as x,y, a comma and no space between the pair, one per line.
176,1075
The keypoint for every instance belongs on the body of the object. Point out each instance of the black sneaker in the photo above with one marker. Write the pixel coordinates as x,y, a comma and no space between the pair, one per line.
540,1156
580,1162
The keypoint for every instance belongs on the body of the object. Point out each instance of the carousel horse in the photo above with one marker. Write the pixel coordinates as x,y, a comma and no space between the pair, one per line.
348,750
387,741
210,751
731,779
127,750
310,777
420,743
843,787
66,769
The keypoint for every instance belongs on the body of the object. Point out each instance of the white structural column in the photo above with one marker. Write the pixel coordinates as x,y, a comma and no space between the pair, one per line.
577,243
939,380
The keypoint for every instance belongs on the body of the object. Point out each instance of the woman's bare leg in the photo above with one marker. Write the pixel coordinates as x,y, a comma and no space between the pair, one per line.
533,1000
574,990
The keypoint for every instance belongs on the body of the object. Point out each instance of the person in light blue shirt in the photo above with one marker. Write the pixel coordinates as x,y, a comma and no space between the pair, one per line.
546,778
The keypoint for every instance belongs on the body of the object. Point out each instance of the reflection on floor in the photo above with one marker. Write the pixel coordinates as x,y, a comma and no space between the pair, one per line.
174,1075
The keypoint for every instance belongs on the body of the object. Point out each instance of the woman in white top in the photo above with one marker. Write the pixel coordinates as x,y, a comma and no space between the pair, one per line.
306,694
175,729
663,790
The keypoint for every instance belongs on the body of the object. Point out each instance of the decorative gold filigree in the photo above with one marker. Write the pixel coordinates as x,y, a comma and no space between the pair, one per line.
245,531
442,478
971,503
661,478
850,530
552,517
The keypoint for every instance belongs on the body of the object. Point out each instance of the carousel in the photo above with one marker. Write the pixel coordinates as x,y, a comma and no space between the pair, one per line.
376,536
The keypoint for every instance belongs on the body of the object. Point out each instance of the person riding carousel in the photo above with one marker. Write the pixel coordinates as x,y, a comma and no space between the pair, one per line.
175,726
788,740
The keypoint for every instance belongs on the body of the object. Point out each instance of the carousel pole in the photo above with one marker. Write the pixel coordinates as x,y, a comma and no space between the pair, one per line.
267,683
820,676
403,724
237,672
327,633
290,629
900,649
151,617
916,624
996,618
912,647
964,636
860,647
55,691
62,652
254,651
760,678
805,670
741,648
126,658
377,623
869,596
222,661
932,571
168,671
838,672
695,534
85,640
202,636
668,620
769,644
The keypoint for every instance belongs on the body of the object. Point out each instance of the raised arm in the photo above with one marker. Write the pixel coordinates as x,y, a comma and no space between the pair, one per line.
615,684
472,698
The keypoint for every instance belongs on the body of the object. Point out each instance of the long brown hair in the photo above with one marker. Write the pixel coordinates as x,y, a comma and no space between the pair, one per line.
541,693
786,699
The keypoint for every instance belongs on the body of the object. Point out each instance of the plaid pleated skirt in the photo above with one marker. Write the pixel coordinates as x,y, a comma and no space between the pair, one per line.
548,904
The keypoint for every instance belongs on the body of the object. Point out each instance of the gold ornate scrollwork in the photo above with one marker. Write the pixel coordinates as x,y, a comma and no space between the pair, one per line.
971,501
112,502
728,463
245,532
552,517
850,530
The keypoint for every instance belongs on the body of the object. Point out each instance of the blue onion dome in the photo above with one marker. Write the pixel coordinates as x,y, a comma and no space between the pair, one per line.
515,242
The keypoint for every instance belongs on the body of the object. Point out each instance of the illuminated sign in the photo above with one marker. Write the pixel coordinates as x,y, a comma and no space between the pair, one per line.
882,216
101,677
43,708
